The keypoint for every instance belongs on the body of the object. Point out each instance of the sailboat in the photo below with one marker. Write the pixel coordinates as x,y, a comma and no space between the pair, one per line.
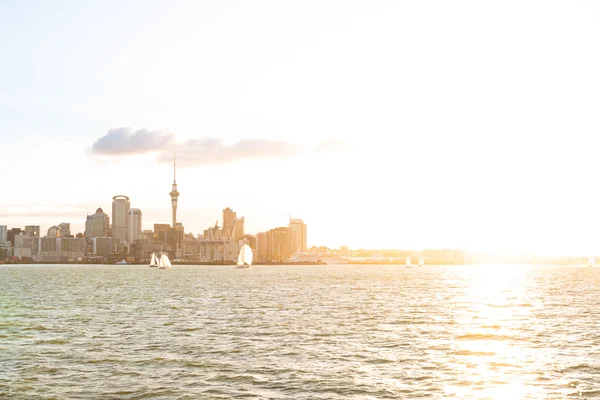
592,262
164,262
245,257
421,262
153,261
408,263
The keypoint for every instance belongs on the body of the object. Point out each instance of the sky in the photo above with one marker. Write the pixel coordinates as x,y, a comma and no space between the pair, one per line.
382,124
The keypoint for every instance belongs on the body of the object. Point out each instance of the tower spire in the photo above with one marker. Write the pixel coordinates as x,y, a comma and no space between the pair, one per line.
174,169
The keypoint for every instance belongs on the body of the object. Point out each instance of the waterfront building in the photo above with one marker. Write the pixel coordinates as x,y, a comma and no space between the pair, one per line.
27,242
97,225
297,235
278,244
73,245
32,231
3,233
135,225
65,229
49,244
22,253
105,246
120,216
261,246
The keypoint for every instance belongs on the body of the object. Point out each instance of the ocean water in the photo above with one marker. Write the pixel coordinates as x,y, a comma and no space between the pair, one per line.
299,332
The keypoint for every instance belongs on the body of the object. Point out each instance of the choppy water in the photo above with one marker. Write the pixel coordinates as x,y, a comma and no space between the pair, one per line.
301,332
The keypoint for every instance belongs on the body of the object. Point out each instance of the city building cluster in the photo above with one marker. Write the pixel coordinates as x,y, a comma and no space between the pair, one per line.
120,236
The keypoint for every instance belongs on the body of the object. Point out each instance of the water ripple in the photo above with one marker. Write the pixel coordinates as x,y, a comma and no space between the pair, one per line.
301,332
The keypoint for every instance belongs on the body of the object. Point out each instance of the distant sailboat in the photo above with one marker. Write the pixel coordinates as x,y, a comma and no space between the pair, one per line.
153,261
245,257
421,262
164,262
592,262
408,263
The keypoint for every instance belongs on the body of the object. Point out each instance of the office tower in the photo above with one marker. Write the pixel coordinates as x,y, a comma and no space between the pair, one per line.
297,235
3,233
97,225
65,229
228,221
162,233
261,246
278,244
32,231
120,214
11,233
135,225
53,232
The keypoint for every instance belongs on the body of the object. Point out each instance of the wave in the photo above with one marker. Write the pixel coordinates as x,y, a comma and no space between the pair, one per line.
475,353
485,336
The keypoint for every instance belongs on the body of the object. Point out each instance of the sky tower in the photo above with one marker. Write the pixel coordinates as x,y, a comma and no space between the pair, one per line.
174,194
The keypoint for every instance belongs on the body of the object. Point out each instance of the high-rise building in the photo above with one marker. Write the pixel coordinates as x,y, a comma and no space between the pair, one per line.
261,246
65,229
120,216
297,235
11,233
228,221
278,244
3,233
53,232
238,229
135,225
97,225
32,231
162,233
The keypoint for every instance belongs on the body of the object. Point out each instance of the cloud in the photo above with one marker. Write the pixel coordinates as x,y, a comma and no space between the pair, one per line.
212,151
202,151
123,141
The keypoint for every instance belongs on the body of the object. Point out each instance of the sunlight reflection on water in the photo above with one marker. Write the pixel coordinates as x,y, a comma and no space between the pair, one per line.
469,332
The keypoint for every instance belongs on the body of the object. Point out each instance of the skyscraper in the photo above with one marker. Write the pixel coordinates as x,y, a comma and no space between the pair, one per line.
135,225
297,235
97,225
32,231
228,218
65,229
3,233
120,216
53,232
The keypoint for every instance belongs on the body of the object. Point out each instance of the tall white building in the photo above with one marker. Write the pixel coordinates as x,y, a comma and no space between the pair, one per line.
297,231
3,233
135,225
120,216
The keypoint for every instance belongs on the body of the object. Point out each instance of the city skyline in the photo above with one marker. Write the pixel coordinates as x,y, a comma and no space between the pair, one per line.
386,125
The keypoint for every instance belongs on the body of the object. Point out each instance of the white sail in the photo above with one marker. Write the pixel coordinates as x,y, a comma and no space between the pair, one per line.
408,263
592,261
245,256
421,262
164,262
154,260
